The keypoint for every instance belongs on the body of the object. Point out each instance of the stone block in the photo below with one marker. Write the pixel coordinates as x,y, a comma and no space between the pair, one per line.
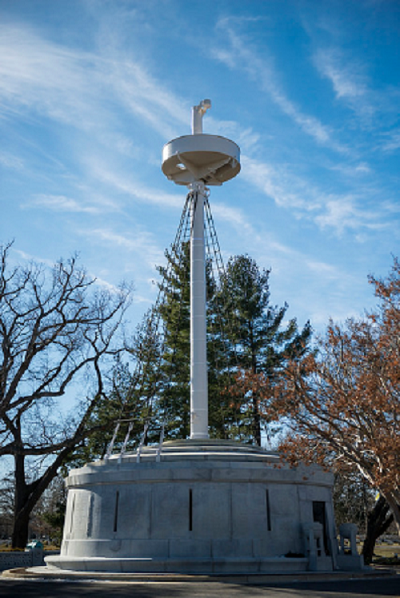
348,562
148,549
249,511
211,510
283,501
191,566
169,510
232,549
195,548
134,512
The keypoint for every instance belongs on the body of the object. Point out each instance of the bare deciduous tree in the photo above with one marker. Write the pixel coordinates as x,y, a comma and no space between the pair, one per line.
57,333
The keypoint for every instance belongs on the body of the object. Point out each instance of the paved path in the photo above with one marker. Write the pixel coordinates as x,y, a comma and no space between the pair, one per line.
362,588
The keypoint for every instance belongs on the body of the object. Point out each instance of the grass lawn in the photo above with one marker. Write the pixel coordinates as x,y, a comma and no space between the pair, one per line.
386,554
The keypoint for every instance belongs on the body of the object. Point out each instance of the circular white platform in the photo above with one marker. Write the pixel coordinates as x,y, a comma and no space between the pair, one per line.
208,158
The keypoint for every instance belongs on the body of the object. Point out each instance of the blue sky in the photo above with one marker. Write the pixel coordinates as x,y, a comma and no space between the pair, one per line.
90,90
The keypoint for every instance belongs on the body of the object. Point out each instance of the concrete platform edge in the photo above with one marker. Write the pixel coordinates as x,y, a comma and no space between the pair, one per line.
38,573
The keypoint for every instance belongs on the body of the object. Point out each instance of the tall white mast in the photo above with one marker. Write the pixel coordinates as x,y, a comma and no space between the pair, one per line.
198,160
198,323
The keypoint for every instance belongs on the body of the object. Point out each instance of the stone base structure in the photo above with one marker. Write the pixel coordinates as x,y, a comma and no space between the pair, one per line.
192,506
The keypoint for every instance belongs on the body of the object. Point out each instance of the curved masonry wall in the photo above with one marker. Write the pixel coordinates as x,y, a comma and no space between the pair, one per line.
212,506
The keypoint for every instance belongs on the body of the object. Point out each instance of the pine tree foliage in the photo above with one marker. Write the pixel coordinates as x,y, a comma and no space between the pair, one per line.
245,335
174,400
261,340
248,344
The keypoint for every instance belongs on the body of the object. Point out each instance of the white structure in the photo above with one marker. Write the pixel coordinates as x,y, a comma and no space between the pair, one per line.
198,505
198,324
196,160
204,507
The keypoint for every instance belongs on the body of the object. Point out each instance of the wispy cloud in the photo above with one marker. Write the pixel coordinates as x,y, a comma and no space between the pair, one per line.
346,212
285,189
76,87
233,216
139,242
240,55
29,257
329,272
99,281
312,287
37,74
147,98
338,212
60,203
104,284
230,215
247,139
11,161
348,78
353,170
121,183
392,141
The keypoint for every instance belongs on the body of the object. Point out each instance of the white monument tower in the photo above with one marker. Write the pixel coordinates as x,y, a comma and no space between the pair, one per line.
198,505
196,160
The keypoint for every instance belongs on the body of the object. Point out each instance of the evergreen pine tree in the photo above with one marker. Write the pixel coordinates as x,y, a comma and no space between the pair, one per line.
262,342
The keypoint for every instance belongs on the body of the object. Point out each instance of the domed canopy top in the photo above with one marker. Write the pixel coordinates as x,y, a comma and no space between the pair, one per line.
208,158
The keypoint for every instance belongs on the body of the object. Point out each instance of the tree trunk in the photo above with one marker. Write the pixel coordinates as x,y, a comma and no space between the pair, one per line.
394,507
21,517
27,495
256,421
20,530
377,523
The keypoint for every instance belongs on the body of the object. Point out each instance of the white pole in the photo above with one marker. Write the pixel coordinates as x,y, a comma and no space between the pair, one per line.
198,327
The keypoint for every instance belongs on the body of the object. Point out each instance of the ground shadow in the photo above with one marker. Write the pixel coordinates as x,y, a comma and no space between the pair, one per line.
357,588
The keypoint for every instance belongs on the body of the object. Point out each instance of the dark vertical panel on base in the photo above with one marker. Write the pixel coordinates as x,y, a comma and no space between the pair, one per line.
72,513
268,510
90,516
116,511
190,510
